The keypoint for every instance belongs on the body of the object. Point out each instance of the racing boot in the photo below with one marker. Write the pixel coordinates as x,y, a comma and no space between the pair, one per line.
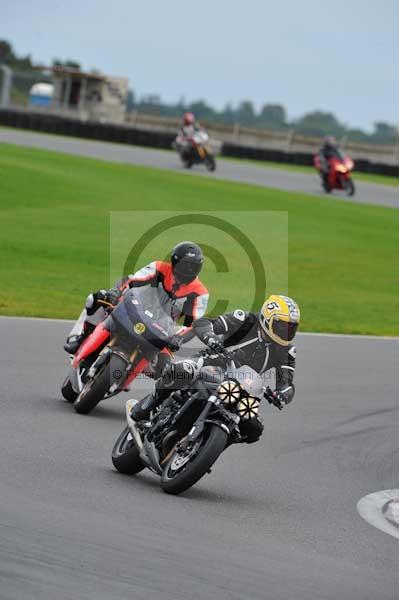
73,342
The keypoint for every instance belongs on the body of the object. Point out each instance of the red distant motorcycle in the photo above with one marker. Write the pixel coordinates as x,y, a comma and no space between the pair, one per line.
339,174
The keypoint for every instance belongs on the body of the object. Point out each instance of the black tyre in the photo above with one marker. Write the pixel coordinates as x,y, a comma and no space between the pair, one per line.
210,163
67,390
349,187
325,185
125,455
96,388
176,480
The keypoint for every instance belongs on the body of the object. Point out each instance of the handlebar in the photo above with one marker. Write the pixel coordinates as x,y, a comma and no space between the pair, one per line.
268,394
107,304
223,354
270,397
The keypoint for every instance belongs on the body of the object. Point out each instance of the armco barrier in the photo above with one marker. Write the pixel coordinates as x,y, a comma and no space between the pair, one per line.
301,158
51,123
124,134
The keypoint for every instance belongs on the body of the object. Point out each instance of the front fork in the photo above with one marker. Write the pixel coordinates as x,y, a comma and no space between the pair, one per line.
135,364
226,421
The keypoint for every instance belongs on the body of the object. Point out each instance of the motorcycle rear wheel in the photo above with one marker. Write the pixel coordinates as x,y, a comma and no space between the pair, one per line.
125,455
178,480
96,388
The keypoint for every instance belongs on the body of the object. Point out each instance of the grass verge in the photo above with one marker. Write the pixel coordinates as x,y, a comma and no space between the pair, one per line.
54,239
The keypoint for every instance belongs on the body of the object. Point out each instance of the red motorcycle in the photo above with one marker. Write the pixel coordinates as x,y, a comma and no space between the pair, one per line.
119,349
339,174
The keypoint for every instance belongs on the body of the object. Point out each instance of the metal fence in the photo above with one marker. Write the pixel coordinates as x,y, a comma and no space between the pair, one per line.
289,141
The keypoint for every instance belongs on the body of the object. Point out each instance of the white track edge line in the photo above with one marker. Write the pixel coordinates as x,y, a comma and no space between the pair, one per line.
370,509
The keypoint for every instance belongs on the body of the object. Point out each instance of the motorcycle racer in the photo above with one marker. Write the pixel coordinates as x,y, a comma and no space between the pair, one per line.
189,125
327,151
180,292
188,128
262,341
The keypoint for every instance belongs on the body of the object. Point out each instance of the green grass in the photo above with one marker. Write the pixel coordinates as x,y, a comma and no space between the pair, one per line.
366,177
55,246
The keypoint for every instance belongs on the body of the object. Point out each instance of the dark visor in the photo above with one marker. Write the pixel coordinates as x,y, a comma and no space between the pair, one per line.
187,270
285,331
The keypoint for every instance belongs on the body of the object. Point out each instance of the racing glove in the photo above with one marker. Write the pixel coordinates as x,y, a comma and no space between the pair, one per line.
112,296
92,301
214,342
276,398
174,343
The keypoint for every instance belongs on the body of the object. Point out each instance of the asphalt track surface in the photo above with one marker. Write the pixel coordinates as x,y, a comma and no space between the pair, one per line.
276,520
244,172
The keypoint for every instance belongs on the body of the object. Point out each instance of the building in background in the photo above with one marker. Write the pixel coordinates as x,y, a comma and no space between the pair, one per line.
90,96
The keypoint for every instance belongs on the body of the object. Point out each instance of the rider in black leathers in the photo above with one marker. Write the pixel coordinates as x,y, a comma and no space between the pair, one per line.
328,150
261,341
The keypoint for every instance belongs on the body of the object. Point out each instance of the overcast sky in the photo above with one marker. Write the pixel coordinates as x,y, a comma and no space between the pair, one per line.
336,56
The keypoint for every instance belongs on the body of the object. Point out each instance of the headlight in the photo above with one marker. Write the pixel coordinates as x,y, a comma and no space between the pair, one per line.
229,392
248,407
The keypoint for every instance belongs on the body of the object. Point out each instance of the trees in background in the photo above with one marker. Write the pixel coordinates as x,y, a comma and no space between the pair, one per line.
8,57
319,123
270,116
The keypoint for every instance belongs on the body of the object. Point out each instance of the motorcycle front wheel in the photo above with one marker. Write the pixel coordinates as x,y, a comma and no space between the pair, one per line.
186,160
96,388
210,163
125,454
183,470
349,187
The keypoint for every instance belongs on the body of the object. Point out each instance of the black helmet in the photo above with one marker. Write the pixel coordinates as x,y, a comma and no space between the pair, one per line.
330,141
187,260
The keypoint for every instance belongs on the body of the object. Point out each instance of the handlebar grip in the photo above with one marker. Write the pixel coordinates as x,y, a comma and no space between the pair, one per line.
270,397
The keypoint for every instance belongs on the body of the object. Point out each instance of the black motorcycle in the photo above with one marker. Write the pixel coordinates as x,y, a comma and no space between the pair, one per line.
139,329
186,435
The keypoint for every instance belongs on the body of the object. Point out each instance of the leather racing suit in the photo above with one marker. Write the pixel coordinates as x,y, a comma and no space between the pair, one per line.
240,333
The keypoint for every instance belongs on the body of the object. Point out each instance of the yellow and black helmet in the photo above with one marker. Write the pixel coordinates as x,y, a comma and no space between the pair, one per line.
279,318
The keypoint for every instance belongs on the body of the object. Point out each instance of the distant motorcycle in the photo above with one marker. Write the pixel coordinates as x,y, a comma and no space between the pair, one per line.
118,350
339,174
192,427
196,150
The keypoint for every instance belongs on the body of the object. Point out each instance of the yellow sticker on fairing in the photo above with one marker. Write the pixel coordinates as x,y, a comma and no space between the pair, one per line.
139,328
